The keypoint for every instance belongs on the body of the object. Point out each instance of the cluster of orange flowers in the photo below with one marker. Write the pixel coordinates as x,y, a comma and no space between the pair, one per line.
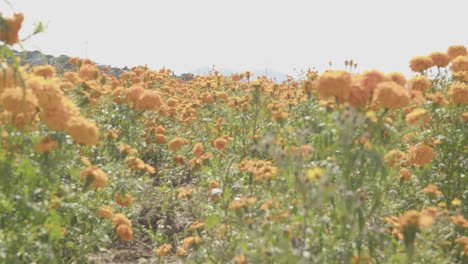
261,169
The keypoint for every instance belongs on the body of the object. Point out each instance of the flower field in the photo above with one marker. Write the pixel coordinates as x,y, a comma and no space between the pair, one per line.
332,167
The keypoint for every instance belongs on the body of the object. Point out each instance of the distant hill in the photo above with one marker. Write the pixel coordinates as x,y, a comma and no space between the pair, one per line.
61,63
269,73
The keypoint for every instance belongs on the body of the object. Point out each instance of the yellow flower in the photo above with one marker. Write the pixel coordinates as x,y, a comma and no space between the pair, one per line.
315,174
456,202
9,30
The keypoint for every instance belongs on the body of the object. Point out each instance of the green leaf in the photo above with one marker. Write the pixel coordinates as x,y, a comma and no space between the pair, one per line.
211,221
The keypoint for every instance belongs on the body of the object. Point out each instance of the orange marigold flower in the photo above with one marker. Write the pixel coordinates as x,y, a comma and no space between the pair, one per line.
46,145
420,63
124,199
18,100
464,242
188,241
334,84
458,93
198,150
405,174
120,219
370,79
419,83
105,212
125,232
394,156
391,95
220,143
440,59
459,220
99,177
432,189
437,98
176,143
308,86
397,77
236,77
459,64
161,130
163,250
10,27
149,100
89,72
358,95
74,60
54,202
418,117
83,131
181,252
360,259
413,218
184,192
47,71
421,155
464,117
196,225
240,259
160,139
172,102
456,50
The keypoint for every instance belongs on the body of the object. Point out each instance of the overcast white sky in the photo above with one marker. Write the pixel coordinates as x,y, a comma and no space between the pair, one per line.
245,34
